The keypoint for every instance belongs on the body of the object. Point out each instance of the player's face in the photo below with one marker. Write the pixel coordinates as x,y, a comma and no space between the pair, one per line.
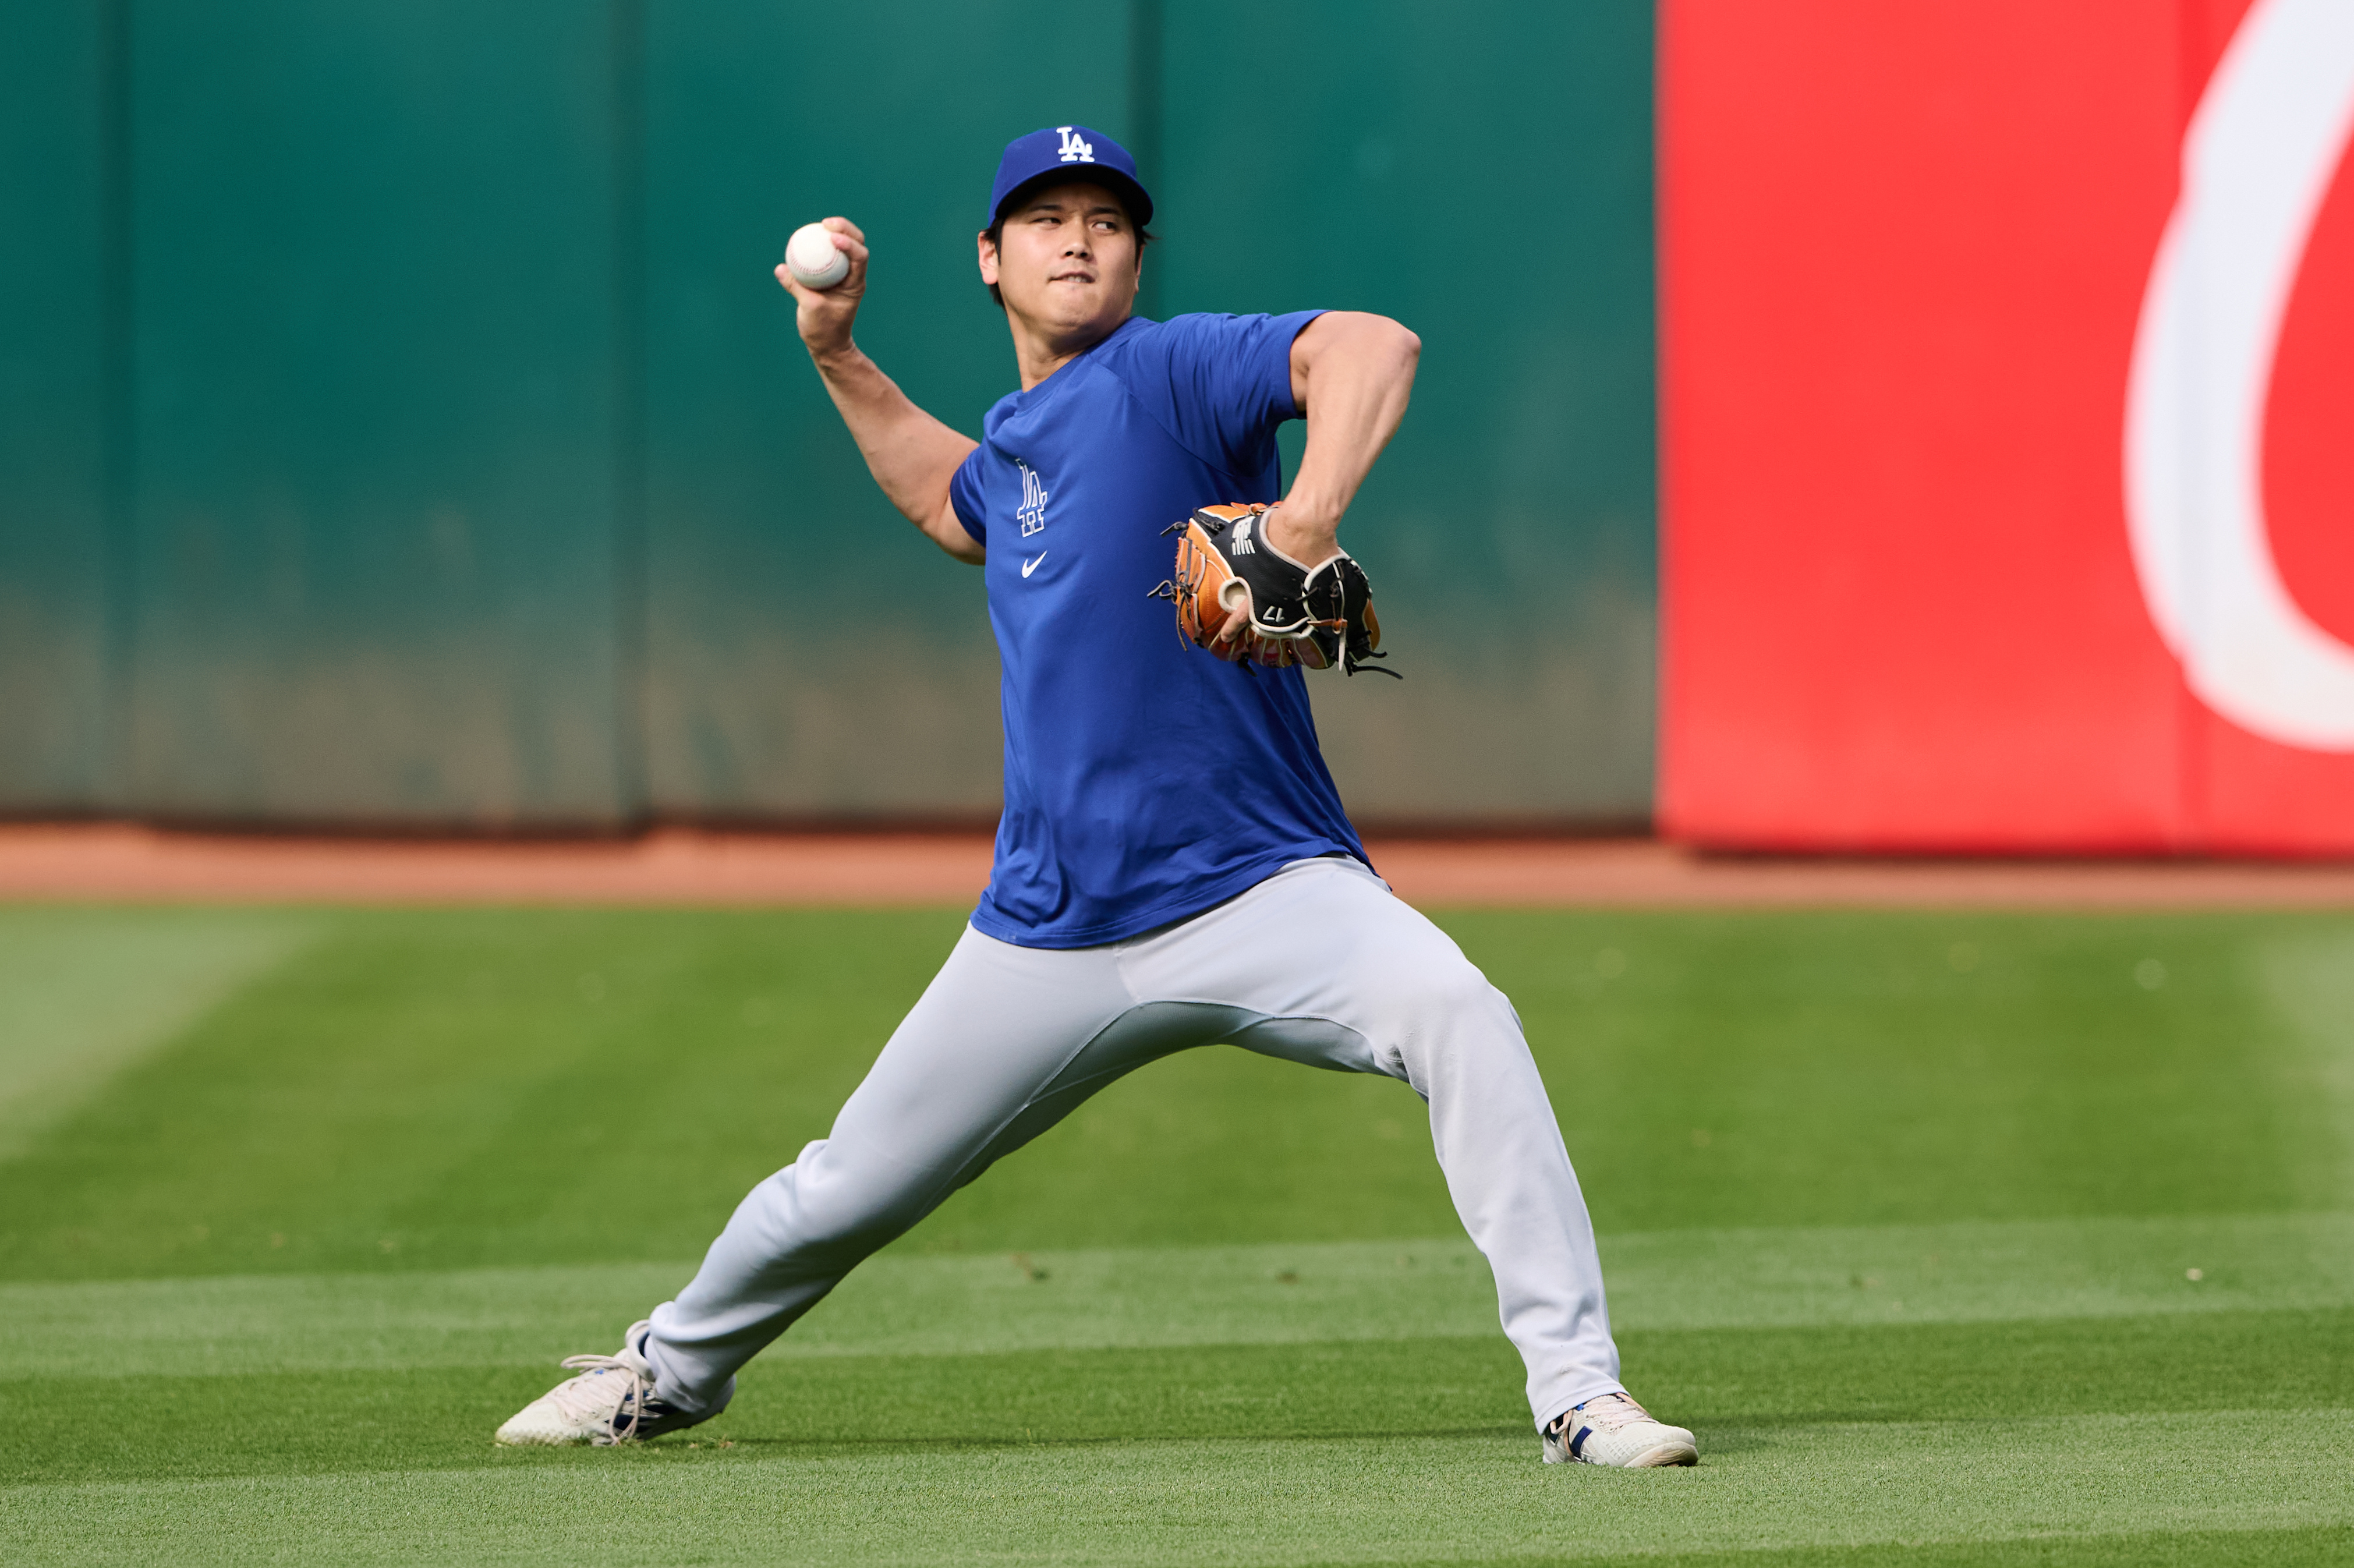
1067,261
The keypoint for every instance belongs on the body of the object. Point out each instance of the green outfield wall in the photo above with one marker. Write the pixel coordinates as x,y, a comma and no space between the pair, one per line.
399,424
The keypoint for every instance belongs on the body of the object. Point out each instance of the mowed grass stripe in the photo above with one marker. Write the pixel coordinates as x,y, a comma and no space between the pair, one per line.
1720,1381
1295,1502
2189,1549
86,992
1205,1296
424,1090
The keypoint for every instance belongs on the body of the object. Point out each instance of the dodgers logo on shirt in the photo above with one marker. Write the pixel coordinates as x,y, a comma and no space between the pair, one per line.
1076,149
1031,513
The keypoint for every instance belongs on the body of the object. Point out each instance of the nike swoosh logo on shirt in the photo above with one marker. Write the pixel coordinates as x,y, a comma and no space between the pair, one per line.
1029,566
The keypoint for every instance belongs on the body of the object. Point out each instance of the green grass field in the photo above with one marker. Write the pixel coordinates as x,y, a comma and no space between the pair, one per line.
1959,1239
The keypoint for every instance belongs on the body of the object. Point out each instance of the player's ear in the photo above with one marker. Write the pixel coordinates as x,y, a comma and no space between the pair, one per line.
987,250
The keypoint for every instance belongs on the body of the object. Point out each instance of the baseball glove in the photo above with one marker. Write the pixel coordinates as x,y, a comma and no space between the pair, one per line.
1227,567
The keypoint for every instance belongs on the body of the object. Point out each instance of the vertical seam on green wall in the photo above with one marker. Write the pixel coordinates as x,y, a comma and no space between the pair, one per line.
632,765
118,477
1144,67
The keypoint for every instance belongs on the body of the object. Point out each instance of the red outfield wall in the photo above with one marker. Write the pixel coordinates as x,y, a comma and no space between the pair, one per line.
1976,533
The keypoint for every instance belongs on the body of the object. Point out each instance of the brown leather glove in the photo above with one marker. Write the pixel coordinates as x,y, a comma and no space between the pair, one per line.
1290,614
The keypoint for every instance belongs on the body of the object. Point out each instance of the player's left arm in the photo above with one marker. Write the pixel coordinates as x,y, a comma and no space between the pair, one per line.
1352,374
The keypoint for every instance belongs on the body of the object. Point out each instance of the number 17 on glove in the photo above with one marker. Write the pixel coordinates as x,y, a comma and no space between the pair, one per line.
1227,567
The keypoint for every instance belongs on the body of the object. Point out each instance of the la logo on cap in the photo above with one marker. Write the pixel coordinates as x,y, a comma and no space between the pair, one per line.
1076,149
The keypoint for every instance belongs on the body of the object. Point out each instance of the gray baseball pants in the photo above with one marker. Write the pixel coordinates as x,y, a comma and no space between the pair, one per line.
1320,964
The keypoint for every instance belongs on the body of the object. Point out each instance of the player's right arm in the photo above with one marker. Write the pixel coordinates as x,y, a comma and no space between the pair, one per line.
911,455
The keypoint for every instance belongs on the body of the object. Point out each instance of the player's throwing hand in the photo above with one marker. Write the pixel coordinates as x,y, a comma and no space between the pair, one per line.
825,315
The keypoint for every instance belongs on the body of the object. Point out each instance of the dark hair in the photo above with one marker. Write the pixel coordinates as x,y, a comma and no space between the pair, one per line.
996,231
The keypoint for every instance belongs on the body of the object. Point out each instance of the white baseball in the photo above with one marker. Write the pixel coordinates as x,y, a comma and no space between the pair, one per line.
811,258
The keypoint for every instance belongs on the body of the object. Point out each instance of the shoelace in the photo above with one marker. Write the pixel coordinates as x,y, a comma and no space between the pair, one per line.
1603,1413
582,1396
1610,1411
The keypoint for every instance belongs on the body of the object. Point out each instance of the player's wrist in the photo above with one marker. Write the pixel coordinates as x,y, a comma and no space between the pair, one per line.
835,359
1308,533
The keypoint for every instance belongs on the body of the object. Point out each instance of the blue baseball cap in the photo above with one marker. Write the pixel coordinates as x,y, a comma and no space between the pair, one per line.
1073,151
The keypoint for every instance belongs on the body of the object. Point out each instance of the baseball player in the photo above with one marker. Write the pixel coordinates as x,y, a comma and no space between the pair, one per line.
1173,867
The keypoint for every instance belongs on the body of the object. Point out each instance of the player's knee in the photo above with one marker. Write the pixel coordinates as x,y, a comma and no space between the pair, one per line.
826,1203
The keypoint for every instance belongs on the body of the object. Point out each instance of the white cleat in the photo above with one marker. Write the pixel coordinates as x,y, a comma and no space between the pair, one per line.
611,1401
1612,1429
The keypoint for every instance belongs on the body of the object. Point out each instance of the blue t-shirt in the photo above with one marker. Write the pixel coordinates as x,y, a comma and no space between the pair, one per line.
1145,780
